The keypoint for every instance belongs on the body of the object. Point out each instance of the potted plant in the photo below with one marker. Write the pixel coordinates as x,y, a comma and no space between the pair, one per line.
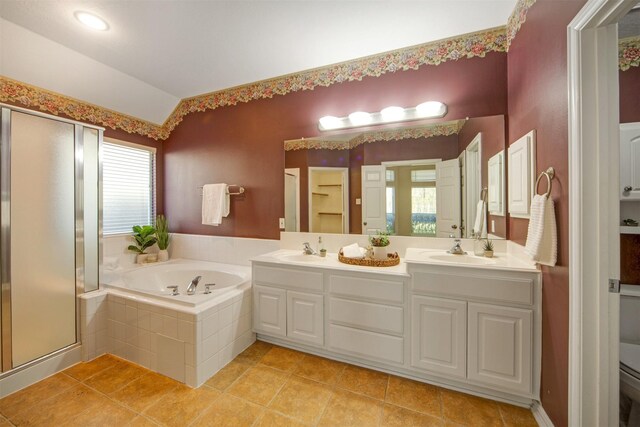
145,238
379,243
488,248
162,235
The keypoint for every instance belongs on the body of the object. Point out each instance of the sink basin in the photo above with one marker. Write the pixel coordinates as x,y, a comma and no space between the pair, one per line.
302,258
460,259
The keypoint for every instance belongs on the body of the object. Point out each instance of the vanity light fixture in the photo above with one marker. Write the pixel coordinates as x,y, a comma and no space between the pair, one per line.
426,110
92,21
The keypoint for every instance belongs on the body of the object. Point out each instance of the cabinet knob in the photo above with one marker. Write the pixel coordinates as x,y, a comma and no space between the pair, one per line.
455,227
628,188
364,223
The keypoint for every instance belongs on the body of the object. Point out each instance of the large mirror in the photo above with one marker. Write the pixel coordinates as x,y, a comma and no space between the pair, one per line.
420,179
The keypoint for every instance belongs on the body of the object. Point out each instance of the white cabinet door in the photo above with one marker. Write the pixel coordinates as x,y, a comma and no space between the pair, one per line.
439,335
448,200
630,161
521,165
270,310
305,320
500,347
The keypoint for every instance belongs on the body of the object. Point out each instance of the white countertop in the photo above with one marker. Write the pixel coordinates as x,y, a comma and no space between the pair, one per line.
500,261
328,262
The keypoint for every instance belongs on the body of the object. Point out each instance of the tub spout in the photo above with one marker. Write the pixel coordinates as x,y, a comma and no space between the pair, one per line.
191,289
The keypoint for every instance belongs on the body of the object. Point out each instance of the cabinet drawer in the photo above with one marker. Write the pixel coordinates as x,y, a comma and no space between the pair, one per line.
288,277
373,289
515,290
365,344
375,317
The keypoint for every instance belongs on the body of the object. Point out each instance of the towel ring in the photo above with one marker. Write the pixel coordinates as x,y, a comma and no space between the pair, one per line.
550,173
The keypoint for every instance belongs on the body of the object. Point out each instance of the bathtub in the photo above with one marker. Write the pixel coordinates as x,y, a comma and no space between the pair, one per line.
186,337
152,280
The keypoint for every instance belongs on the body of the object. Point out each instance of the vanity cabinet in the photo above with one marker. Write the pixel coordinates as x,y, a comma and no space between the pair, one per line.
282,307
482,326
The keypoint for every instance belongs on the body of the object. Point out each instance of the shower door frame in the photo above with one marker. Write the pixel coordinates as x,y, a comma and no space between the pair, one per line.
6,352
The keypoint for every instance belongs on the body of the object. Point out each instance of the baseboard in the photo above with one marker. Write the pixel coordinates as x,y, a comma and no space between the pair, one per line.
540,415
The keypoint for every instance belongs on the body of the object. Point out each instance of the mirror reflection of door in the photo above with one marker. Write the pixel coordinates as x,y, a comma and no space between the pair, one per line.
292,199
328,200
448,200
473,189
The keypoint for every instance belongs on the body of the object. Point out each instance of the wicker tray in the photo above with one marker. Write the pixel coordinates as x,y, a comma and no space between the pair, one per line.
392,259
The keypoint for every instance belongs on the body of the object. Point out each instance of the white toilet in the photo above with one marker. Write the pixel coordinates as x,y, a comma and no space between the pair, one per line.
630,354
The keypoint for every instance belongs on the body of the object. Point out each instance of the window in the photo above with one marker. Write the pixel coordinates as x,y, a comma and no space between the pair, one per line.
128,176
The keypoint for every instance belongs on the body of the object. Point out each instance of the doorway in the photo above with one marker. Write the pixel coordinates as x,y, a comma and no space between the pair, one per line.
328,200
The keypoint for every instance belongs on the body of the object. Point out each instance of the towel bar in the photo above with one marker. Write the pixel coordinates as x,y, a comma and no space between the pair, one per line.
550,173
234,193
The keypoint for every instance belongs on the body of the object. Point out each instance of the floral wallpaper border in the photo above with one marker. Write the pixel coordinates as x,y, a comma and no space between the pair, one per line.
31,96
386,135
517,18
629,53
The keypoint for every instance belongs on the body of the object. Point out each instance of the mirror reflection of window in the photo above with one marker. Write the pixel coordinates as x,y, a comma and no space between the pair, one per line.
423,201
411,200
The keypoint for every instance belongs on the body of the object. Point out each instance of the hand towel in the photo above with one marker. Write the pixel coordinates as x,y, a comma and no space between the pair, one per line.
542,235
215,203
480,224
352,251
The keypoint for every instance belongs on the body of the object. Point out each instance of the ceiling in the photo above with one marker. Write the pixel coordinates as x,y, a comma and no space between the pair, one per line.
164,51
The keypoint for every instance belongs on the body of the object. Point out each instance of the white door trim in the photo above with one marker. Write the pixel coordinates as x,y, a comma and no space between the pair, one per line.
473,183
593,212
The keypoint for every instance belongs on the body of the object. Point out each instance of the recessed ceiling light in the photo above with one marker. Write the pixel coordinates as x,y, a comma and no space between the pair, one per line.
92,21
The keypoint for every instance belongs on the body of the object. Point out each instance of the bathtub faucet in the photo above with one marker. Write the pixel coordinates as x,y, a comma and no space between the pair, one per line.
191,289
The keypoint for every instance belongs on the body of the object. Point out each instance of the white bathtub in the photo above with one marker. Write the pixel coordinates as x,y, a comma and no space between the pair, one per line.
152,280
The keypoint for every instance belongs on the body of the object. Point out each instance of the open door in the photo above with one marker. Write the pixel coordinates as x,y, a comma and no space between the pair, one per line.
374,216
449,217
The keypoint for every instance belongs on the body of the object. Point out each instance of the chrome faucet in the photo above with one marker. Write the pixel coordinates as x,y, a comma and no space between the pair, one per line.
456,249
191,289
307,249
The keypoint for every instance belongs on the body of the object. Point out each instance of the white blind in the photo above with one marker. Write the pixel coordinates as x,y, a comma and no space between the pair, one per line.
128,177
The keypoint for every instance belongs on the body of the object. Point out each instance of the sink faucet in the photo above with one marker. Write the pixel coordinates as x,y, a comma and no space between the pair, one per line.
307,249
456,249
191,289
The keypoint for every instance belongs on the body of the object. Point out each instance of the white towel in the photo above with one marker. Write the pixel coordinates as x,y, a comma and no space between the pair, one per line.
480,224
542,236
215,203
353,251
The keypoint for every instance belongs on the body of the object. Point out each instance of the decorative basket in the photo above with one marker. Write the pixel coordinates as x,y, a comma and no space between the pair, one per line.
392,259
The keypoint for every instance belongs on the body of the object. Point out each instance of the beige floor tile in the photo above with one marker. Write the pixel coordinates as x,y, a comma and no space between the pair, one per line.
181,406
350,409
364,381
395,416
274,419
227,375
254,353
61,407
414,395
107,414
36,393
259,384
145,391
302,399
282,359
229,411
517,416
469,410
82,370
320,369
116,377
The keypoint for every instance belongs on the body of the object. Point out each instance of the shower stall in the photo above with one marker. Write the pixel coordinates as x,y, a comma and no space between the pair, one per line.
50,232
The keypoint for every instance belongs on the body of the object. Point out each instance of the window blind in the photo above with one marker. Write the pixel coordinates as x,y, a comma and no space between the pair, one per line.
128,177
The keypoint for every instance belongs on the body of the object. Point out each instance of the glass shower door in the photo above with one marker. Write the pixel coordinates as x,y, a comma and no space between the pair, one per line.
42,242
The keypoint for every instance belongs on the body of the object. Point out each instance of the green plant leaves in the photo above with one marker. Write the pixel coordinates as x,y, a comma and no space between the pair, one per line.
144,237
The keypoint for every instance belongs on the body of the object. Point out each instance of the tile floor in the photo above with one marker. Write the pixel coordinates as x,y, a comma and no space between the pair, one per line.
266,385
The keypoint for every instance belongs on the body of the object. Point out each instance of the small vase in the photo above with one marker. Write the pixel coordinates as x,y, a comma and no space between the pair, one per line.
163,255
141,258
380,252
488,254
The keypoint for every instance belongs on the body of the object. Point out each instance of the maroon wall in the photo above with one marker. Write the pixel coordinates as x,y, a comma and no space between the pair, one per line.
629,82
243,144
537,82
493,131
437,147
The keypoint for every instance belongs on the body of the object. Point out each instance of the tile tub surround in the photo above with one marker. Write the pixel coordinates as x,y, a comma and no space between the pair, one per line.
305,391
186,345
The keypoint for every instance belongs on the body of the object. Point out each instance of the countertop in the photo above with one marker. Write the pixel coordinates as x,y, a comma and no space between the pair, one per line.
500,261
